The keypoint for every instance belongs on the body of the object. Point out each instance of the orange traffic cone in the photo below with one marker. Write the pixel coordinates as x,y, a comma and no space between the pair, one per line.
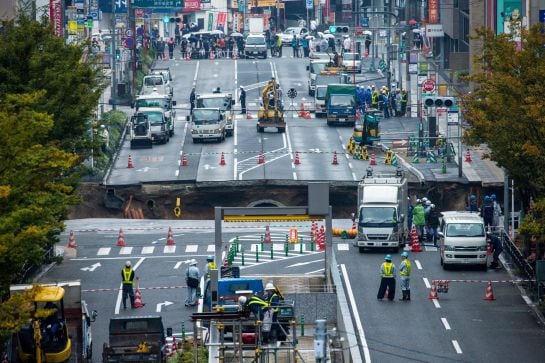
138,299
120,239
414,237
297,162
489,293
267,238
302,110
468,156
212,56
184,160
307,115
433,291
170,239
416,247
373,160
260,159
222,160
72,240
354,226
130,164
335,162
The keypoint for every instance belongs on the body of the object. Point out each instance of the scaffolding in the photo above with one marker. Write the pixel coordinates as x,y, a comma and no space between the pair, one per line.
241,339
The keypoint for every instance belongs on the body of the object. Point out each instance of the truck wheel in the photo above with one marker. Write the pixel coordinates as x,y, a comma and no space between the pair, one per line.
361,249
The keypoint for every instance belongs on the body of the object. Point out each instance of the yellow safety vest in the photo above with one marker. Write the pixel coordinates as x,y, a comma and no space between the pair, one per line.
211,266
387,269
127,276
407,271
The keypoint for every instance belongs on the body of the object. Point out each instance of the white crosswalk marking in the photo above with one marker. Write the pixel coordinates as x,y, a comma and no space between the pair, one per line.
148,250
104,251
211,248
169,249
343,247
191,248
125,251
297,246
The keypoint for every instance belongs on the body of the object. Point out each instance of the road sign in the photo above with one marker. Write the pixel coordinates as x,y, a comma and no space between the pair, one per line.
434,31
94,15
128,43
128,32
364,22
158,4
428,85
292,93
294,235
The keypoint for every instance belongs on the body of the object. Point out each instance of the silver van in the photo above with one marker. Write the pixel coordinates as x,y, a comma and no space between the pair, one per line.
462,240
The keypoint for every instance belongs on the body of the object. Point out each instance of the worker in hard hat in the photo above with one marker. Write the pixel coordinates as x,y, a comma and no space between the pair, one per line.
405,276
270,317
192,276
210,265
387,279
127,275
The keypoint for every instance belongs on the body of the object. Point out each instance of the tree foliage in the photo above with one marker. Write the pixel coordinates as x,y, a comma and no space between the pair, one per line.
507,108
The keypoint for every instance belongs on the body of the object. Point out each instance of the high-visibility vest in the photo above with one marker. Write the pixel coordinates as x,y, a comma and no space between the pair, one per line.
211,266
257,303
407,270
387,269
374,98
127,276
276,309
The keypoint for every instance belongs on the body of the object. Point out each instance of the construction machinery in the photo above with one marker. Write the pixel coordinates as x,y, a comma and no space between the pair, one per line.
366,129
271,112
135,339
60,327
140,132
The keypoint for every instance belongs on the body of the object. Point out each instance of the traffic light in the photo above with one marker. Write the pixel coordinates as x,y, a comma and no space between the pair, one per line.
342,30
117,54
332,29
175,20
435,101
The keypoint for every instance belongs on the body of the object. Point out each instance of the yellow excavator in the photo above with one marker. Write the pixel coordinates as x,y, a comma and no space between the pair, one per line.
271,112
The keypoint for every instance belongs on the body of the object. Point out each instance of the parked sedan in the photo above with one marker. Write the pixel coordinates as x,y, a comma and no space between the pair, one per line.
287,35
352,61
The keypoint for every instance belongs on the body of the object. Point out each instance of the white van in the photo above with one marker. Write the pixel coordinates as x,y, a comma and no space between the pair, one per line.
462,239
315,67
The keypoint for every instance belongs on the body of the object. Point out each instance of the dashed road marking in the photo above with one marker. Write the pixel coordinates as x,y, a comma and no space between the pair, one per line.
457,347
445,323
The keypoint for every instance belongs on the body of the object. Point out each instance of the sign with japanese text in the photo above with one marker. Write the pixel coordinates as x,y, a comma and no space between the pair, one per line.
55,14
158,3
192,5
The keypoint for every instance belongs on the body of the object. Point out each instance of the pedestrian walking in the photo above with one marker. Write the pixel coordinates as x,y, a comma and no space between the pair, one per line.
171,45
497,248
278,45
184,47
192,100
433,225
295,46
387,279
487,212
405,276
242,99
419,219
127,276
192,276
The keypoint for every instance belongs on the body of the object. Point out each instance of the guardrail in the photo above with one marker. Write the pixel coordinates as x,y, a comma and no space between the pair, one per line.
518,258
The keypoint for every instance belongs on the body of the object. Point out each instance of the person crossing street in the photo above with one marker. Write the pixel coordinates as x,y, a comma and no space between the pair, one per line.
127,275
192,276
405,276
387,279
242,99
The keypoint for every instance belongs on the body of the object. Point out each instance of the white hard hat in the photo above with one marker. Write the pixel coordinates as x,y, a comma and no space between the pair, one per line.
269,286
242,300
418,201
424,199
433,205
428,202
128,263
193,262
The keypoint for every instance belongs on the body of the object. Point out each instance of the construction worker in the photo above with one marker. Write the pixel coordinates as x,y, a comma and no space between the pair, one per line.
210,265
497,248
242,99
192,276
404,99
387,279
419,219
127,275
273,301
405,276
497,211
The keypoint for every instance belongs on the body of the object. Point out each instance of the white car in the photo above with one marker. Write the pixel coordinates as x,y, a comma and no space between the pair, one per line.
288,34
352,61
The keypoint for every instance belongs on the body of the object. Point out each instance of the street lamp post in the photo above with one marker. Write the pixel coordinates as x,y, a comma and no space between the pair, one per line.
113,90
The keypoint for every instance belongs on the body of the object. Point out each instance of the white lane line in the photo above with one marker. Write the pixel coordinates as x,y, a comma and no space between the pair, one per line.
436,303
196,74
235,140
357,318
294,176
104,251
169,249
191,248
290,150
305,263
315,272
343,247
125,251
457,347
527,300
147,250
418,265
427,283
211,248
120,293
350,165
354,176
445,323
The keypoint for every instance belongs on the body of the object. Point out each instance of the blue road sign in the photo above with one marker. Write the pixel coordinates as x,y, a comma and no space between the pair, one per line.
542,16
128,43
364,21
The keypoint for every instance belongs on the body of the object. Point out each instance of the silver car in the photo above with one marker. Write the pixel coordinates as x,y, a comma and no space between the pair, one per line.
288,34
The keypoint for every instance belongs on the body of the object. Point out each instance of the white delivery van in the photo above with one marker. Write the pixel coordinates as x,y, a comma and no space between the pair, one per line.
462,239
314,68
319,101
207,124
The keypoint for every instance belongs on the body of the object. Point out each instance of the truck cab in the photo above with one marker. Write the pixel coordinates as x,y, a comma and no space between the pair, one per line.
164,101
319,101
222,101
314,68
341,104
255,45
156,83
158,124
207,124
382,211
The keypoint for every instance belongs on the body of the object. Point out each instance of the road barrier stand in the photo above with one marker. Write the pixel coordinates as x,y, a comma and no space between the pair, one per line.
237,244
257,255
286,248
311,246
302,325
301,246
262,244
272,251
242,255
183,331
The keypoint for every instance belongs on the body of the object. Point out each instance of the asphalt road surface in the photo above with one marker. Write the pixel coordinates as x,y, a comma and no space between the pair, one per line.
459,327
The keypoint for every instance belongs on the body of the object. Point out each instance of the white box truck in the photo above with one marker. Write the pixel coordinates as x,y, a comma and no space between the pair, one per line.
382,211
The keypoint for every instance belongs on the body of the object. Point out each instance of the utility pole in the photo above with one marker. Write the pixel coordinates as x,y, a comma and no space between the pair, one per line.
245,17
113,90
372,67
389,46
132,27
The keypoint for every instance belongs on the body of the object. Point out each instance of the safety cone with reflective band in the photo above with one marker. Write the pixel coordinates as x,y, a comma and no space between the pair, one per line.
138,299
414,237
72,240
373,160
335,161
302,110
489,293
468,156
120,239
129,163
488,249
433,291
321,239
188,54
212,56
354,226
260,159
415,247
297,162
184,160
170,239
314,231
222,160
267,238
